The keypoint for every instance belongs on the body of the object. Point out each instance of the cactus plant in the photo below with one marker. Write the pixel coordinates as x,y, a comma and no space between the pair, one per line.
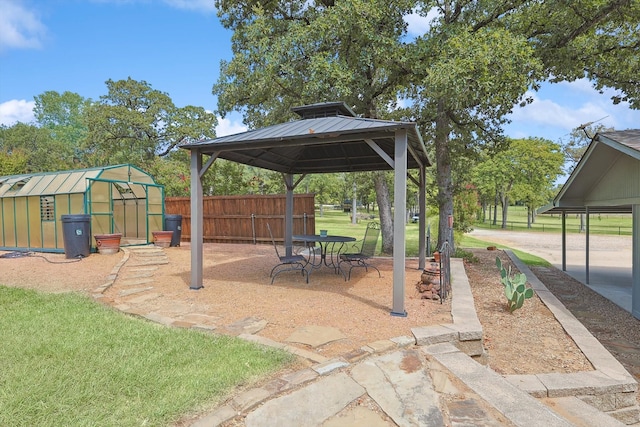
514,287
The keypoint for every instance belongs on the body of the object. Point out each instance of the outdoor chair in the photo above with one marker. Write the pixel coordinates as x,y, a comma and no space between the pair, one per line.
365,250
287,263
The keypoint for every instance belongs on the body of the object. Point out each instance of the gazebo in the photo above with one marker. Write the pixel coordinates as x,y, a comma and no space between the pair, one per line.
605,180
327,138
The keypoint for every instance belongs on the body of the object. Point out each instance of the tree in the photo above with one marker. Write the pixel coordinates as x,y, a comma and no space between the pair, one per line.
289,53
13,163
525,171
63,115
579,140
543,160
469,69
134,123
39,150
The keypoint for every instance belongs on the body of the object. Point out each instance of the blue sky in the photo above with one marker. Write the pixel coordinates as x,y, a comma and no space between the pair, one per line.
176,46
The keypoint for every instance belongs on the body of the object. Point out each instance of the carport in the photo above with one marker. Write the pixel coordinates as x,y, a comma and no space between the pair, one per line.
328,138
605,180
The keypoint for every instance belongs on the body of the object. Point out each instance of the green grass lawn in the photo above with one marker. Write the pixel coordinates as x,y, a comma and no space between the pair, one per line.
613,224
339,223
66,360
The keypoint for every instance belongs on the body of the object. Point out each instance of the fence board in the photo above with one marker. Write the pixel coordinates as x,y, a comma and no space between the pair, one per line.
243,219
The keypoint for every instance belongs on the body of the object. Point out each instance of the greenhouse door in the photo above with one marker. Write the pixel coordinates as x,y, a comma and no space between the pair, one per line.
134,210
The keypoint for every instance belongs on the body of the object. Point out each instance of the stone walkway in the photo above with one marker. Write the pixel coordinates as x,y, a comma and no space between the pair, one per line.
428,379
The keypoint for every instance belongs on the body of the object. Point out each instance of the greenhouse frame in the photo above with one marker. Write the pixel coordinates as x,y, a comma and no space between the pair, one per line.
119,199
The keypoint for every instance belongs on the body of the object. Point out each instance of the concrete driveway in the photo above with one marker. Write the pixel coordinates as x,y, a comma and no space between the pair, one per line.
609,258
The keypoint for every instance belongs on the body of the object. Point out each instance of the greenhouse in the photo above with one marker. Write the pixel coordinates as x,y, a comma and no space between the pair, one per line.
117,199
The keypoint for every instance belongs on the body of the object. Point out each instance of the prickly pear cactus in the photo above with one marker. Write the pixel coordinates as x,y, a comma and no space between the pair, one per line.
514,287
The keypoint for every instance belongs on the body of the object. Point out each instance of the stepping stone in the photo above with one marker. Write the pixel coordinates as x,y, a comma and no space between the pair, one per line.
150,254
308,406
401,386
468,412
202,319
134,291
144,298
248,325
149,268
138,275
145,249
133,282
151,262
315,336
358,416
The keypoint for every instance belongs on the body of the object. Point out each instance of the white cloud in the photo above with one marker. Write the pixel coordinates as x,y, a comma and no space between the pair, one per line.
20,28
418,24
228,127
16,111
548,112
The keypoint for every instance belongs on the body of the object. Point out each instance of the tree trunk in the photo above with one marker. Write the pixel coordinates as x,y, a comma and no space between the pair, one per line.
443,177
495,209
384,206
504,200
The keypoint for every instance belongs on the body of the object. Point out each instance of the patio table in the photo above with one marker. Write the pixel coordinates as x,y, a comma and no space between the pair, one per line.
331,261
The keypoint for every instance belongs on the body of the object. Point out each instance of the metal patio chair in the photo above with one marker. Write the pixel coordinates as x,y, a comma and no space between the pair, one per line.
365,251
287,263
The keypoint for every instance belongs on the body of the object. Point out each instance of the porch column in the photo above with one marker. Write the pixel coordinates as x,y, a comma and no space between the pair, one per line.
586,252
564,241
635,261
399,226
196,221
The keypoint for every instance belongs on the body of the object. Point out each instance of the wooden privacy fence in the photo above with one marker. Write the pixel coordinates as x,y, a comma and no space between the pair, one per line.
243,219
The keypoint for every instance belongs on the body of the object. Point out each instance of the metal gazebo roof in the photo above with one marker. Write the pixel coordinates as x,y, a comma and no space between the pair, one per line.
328,138
320,143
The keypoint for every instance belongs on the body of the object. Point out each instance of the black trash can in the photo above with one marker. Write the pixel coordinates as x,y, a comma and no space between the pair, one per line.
76,234
173,223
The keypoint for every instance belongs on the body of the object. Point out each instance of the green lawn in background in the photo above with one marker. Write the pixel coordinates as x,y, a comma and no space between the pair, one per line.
66,360
613,224
337,222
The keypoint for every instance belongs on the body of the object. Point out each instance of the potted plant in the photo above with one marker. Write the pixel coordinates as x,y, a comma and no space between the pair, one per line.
162,238
108,243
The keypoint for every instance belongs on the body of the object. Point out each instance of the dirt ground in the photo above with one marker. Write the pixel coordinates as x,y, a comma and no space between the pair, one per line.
237,286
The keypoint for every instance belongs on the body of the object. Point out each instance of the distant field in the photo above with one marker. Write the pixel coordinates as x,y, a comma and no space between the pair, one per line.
598,224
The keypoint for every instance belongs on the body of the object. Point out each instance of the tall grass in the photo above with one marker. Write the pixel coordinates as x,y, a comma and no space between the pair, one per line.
68,361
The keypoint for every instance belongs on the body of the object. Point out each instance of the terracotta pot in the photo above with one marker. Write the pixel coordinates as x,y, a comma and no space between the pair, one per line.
162,238
108,243
431,274
436,256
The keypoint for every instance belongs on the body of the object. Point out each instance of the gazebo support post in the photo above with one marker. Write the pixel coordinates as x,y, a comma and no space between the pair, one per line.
288,215
399,227
422,205
635,257
196,221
